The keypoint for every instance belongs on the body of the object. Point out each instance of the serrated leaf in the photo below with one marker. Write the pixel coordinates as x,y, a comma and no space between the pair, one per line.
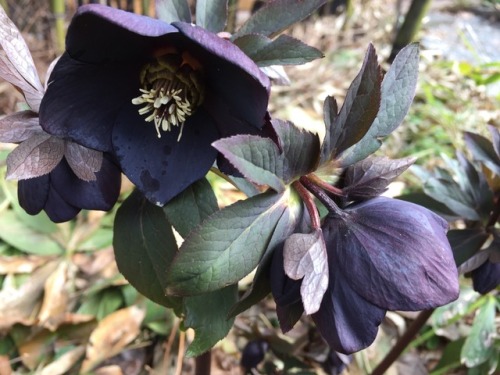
483,150
19,126
304,257
83,161
17,234
283,50
426,201
359,110
466,242
479,344
216,254
207,315
191,207
173,10
211,14
17,65
37,156
370,177
144,246
398,90
276,16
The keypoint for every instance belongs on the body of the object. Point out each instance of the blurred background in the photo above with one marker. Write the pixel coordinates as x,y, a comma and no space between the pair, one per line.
63,304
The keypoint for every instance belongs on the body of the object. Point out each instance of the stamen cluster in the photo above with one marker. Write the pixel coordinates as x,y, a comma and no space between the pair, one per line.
171,91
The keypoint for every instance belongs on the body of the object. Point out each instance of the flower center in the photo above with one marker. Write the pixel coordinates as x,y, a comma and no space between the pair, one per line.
172,89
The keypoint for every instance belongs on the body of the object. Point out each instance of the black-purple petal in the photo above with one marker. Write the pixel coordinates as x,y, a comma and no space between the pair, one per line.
163,167
393,253
57,209
486,277
33,193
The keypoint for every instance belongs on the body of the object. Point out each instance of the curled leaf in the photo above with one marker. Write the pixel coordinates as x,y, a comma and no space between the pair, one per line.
305,257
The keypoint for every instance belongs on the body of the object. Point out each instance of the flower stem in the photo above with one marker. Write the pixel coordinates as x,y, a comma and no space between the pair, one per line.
203,363
403,342
322,196
324,185
309,203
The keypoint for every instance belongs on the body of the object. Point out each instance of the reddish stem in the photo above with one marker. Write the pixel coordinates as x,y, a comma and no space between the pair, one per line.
309,202
324,185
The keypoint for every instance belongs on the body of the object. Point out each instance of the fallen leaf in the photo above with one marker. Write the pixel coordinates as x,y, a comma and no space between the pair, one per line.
61,365
25,264
112,335
5,368
34,349
109,370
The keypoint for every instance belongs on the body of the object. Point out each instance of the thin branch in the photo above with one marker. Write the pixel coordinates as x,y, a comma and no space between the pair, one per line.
309,203
203,363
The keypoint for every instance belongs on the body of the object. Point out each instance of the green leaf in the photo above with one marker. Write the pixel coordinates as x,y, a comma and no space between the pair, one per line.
226,246
207,315
17,234
450,359
173,10
277,15
191,207
261,161
110,300
479,345
398,90
483,150
211,14
359,110
101,238
144,246
430,203
284,50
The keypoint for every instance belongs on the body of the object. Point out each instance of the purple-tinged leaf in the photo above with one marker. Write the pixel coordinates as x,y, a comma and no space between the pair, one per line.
330,113
257,158
360,108
173,10
276,16
483,150
144,246
400,252
83,161
495,136
426,201
261,161
346,320
35,157
211,14
207,315
17,65
370,177
474,262
304,257
19,126
466,242
216,253
284,50
398,90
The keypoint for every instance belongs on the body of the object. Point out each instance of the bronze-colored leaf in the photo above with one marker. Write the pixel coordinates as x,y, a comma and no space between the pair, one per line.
64,363
35,157
19,126
84,162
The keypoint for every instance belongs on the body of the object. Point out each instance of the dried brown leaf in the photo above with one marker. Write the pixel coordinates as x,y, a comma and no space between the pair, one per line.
55,299
109,370
62,364
18,304
34,349
305,257
112,335
35,157
25,264
84,161
19,126
5,368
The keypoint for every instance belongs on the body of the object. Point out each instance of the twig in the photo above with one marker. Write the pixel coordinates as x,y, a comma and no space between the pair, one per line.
180,353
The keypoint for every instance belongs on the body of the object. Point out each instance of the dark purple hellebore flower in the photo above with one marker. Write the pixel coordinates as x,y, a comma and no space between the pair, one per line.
486,277
383,254
154,94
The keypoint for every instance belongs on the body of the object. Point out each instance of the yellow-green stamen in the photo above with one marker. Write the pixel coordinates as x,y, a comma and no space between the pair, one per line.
172,89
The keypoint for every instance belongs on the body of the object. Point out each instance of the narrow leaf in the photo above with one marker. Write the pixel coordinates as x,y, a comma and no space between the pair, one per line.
277,15
144,246
83,161
360,107
19,126
216,254
191,207
483,150
173,10
211,14
35,157
305,258
370,177
466,242
207,315
398,90
284,50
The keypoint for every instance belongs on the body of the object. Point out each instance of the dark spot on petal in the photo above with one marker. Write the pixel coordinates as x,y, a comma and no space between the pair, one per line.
150,183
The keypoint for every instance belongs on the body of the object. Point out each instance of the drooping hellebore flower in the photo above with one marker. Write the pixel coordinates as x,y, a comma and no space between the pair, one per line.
486,277
55,175
156,95
383,254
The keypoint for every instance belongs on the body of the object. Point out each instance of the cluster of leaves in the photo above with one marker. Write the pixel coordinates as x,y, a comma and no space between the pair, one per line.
467,192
